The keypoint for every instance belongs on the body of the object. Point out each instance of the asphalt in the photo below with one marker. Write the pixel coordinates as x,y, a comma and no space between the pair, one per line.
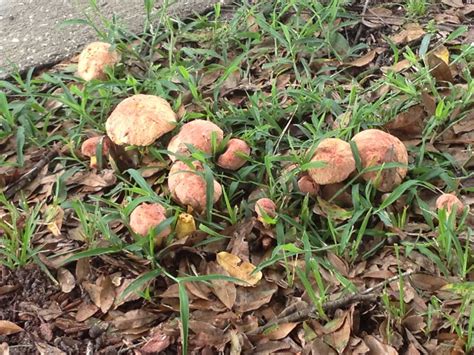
33,34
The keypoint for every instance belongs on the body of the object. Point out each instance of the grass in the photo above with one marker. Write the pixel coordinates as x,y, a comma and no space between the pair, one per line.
279,84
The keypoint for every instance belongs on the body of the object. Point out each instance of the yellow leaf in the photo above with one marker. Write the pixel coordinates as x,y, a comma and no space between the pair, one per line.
185,225
239,269
442,53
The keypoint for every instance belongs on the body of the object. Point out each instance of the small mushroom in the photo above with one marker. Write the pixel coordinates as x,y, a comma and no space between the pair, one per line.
265,206
449,202
307,186
140,120
94,59
147,216
197,133
232,158
188,187
339,160
89,149
376,148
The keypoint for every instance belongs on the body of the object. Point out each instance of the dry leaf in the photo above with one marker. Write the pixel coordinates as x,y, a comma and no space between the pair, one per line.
281,331
54,219
338,338
377,347
83,269
238,269
134,319
249,299
66,280
411,32
225,291
408,124
454,3
398,67
439,69
46,349
107,294
427,282
364,60
8,328
85,311
4,349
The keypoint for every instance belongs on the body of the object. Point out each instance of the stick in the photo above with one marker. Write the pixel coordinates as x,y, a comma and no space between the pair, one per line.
362,296
359,30
28,177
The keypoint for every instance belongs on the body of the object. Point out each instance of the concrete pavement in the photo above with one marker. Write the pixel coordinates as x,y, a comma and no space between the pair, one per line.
31,33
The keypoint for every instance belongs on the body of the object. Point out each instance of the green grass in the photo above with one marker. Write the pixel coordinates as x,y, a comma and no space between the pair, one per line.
260,47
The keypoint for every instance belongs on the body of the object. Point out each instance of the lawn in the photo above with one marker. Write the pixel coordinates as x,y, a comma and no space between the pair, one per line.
370,264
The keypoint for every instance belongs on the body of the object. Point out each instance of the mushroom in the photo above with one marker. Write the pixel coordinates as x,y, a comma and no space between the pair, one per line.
339,160
147,216
376,148
89,149
307,186
93,60
188,187
449,202
197,133
232,157
140,120
265,207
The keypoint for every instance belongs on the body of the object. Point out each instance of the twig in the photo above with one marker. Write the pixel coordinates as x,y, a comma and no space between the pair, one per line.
362,296
359,30
28,177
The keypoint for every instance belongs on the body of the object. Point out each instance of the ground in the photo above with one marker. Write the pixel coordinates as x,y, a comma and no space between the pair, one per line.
344,268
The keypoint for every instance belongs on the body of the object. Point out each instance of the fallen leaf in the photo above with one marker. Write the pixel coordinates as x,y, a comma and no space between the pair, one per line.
8,328
46,349
397,67
411,32
364,60
427,282
408,124
331,210
107,294
85,311
225,291
281,331
134,319
54,219
238,269
439,69
249,299
339,338
5,349
377,347
66,280
83,269
454,3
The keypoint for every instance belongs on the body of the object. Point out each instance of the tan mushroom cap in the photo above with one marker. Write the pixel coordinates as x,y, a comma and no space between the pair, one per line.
146,217
188,188
232,157
377,147
93,60
307,185
197,133
340,163
265,206
449,201
140,120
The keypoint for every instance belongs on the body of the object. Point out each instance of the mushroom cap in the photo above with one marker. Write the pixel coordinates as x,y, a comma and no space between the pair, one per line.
340,163
140,120
231,159
89,146
189,188
197,133
307,186
448,201
377,147
147,216
265,205
93,60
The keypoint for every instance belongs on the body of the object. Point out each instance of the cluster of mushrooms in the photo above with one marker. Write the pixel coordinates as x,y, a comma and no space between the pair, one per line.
141,120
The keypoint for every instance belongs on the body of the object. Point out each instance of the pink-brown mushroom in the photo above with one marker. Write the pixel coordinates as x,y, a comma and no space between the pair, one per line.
449,202
140,120
146,217
265,207
89,149
233,157
197,133
188,187
94,59
377,148
338,159
307,185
